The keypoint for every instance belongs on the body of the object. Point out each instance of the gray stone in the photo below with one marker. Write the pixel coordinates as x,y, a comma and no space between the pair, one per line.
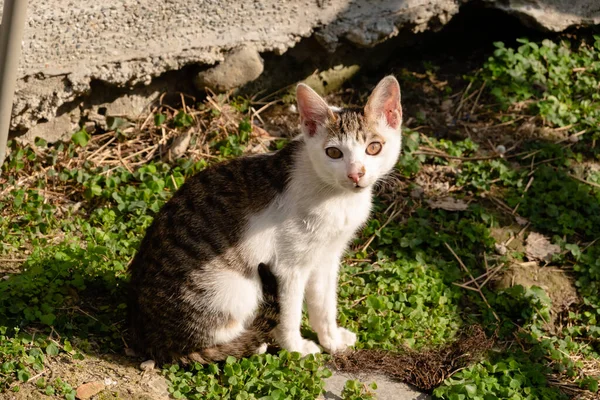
241,66
156,387
553,15
59,128
386,388
147,365
129,106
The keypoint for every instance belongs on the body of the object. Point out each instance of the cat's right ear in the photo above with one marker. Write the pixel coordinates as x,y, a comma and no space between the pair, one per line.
314,112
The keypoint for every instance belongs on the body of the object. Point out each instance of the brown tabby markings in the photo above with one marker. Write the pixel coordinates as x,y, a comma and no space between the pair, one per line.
351,122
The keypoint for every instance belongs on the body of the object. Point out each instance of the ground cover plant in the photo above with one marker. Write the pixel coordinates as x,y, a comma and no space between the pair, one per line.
490,220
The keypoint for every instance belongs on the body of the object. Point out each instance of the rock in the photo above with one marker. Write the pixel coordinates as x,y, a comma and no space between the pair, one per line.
129,106
553,15
239,67
147,365
157,387
109,381
386,388
500,249
60,128
180,145
87,390
63,63
103,109
448,204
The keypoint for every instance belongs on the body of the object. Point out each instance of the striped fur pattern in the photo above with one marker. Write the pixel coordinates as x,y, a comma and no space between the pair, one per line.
229,260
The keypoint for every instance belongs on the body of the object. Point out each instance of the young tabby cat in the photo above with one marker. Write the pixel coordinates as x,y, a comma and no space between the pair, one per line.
240,245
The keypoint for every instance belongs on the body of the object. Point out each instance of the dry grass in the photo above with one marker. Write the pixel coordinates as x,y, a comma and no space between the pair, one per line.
425,370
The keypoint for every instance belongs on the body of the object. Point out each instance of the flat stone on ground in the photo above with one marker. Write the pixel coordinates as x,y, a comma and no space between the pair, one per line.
387,389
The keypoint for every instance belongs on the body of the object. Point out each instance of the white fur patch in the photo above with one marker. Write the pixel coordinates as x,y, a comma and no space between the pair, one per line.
228,333
262,349
232,294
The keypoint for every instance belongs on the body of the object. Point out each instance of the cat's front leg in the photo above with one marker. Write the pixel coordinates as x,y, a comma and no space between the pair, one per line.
292,282
321,299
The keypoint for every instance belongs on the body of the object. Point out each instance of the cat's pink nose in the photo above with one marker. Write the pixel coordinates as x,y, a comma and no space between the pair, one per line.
355,176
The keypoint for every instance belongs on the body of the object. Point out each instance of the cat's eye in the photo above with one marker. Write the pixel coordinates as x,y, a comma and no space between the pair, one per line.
333,152
374,148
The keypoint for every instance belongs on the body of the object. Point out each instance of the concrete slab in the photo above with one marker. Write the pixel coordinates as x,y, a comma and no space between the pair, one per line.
69,44
386,388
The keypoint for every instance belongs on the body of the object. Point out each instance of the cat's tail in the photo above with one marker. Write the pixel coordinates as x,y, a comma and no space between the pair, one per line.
248,343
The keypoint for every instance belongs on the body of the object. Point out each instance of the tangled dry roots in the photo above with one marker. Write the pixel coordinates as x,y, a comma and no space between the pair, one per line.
426,369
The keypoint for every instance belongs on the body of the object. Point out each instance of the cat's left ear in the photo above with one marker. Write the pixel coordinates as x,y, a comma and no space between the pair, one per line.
385,101
314,112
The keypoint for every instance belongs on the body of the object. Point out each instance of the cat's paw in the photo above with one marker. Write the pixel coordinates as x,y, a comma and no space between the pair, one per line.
262,349
304,347
339,340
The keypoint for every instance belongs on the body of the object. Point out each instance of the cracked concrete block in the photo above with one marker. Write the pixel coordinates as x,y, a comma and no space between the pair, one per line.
239,67
129,43
552,15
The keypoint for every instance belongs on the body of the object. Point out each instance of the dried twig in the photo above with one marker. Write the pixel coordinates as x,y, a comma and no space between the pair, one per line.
584,181
475,282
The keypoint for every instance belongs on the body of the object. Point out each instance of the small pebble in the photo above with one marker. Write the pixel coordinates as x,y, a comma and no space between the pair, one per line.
87,390
147,365
500,249
109,381
573,139
293,109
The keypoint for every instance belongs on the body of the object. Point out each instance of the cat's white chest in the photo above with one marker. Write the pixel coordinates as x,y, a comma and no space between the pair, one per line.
336,216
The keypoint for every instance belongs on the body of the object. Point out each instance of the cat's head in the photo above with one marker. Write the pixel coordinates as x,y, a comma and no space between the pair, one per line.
352,148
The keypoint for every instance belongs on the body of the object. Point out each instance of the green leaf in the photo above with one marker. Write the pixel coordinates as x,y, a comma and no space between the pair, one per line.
80,138
23,375
52,349
48,319
159,119
183,120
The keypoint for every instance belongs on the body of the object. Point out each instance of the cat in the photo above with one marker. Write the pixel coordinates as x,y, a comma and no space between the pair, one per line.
230,258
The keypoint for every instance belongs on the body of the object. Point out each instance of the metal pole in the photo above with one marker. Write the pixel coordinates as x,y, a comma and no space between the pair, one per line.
11,34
